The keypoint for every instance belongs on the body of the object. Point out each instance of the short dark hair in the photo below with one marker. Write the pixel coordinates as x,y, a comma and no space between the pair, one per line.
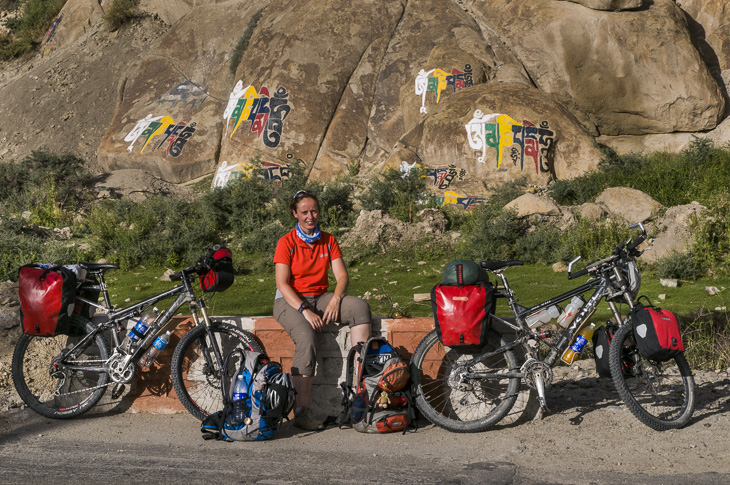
302,194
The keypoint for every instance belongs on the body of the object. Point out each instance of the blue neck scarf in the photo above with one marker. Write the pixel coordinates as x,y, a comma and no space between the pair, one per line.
306,237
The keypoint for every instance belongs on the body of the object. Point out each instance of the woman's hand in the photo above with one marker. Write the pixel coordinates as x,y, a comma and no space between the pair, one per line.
314,320
332,312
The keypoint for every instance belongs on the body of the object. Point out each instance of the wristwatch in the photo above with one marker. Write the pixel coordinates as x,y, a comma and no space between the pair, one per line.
303,307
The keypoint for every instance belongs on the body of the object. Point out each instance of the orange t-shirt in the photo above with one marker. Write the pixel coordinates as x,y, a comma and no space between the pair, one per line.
309,266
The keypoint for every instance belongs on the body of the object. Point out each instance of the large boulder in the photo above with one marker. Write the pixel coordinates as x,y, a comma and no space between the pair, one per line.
630,204
495,132
168,116
435,39
629,72
674,231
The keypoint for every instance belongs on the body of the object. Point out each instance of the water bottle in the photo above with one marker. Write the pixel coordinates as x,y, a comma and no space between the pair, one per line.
238,407
579,344
137,332
154,350
543,316
571,310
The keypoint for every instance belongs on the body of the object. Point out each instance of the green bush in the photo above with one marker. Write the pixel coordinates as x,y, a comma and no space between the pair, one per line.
50,187
19,246
120,12
27,31
242,43
698,173
711,236
490,237
402,195
678,265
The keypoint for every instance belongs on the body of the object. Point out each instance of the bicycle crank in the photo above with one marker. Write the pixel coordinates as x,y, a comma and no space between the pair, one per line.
538,375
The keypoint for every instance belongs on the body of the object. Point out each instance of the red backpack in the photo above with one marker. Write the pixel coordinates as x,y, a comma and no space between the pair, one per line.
656,332
47,296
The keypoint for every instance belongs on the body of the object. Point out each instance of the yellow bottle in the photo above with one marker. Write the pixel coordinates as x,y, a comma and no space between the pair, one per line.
578,344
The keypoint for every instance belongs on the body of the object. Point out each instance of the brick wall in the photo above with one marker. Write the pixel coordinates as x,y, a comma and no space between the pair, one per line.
152,390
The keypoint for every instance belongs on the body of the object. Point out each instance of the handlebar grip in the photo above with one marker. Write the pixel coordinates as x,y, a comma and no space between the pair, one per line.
580,273
176,276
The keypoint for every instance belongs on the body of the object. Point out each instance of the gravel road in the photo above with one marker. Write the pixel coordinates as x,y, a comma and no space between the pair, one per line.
588,437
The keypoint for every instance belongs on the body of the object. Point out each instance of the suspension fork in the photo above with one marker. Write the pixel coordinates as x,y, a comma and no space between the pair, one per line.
199,304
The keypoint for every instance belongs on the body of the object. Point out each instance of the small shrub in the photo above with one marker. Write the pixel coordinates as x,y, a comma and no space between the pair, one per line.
711,236
492,237
707,336
399,194
49,186
120,12
242,44
678,265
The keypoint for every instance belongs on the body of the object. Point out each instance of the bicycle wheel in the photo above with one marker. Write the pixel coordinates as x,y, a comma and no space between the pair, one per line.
196,373
453,401
47,376
660,394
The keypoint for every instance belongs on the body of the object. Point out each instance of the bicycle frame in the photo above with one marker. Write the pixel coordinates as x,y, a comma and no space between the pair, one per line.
118,363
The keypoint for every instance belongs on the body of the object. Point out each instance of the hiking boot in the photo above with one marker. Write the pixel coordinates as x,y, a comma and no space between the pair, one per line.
305,420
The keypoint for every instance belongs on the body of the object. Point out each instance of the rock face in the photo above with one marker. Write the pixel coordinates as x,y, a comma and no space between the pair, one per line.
474,92
168,120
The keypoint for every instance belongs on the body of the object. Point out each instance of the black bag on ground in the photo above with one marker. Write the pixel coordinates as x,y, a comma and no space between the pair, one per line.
381,400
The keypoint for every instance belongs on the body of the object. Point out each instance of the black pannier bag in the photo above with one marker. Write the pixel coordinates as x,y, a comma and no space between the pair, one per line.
601,344
47,297
656,332
217,270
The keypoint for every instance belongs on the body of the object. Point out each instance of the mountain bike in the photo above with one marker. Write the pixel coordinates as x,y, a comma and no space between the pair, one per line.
466,390
66,375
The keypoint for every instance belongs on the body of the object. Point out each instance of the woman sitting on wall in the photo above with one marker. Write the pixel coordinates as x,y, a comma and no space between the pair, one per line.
303,303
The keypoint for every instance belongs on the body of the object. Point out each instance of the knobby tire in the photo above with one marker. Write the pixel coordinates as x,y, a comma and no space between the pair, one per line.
196,382
55,391
660,394
468,406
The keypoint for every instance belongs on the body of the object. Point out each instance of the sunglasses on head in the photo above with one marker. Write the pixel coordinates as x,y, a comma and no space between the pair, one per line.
303,193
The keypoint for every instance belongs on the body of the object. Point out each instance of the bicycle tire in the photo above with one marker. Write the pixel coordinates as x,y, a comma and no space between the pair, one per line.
660,394
198,386
54,391
452,405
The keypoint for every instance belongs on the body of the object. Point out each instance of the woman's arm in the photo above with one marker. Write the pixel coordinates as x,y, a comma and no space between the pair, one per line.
332,312
282,274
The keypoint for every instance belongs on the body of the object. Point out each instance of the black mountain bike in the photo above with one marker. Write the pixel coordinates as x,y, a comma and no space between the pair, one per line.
470,391
66,375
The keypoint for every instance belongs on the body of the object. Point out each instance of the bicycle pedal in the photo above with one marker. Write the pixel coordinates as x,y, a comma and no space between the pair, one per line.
118,390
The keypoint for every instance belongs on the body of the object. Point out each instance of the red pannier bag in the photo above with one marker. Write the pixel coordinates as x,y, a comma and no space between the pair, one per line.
47,297
462,313
656,332
219,274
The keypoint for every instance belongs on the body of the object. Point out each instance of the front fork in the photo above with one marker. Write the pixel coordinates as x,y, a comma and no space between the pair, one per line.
214,362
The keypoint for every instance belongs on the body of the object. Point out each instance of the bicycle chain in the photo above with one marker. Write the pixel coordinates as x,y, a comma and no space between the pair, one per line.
100,361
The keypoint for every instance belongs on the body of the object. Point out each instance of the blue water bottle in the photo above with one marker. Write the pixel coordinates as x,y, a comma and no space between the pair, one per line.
238,407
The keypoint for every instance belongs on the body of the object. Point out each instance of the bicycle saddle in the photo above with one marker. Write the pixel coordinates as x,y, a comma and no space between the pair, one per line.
97,266
494,265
